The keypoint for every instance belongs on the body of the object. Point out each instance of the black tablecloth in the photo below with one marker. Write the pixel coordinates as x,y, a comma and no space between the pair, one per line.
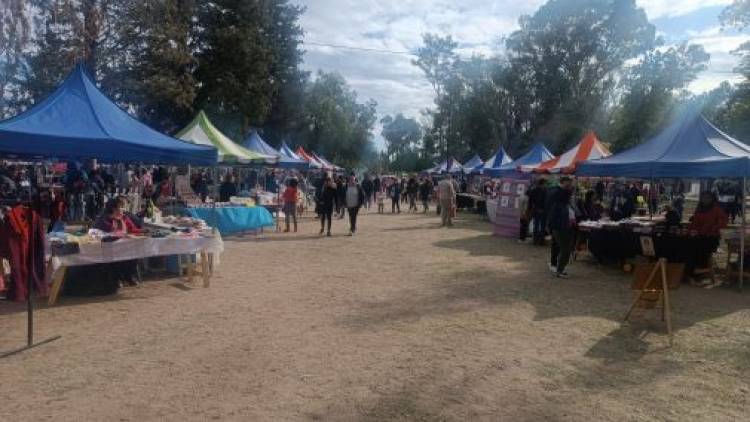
608,245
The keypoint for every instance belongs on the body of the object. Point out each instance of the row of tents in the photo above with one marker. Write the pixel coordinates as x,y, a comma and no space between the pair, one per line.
78,121
689,147
538,159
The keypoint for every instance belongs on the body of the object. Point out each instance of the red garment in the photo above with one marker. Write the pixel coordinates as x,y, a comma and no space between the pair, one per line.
290,195
709,222
22,243
117,225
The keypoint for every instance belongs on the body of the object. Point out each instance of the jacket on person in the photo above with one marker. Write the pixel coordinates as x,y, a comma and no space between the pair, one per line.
709,222
327,200
561,215
22,243
360,196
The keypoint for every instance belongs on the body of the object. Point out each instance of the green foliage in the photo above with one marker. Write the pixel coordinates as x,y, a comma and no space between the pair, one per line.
15,33
334,123
649,92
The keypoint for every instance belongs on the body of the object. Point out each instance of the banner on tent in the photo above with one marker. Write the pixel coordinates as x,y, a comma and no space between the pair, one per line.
507,221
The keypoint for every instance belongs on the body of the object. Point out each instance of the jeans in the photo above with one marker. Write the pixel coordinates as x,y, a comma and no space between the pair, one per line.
395,205
524,229
353,219
540,227
562,241
326,216
412,202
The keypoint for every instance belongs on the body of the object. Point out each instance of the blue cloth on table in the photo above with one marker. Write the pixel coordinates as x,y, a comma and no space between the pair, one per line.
230,220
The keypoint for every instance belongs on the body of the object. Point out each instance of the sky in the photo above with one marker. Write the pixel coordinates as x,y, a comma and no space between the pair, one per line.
478,26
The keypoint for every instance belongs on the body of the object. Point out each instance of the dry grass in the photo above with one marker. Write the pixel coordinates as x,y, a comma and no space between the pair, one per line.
405,321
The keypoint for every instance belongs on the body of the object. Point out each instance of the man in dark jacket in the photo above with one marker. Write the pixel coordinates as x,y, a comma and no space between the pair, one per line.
354,198
561,222
368,187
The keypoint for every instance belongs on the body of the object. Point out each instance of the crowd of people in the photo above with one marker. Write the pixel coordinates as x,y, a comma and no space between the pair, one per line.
556,210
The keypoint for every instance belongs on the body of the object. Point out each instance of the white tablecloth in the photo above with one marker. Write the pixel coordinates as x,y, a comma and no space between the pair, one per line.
127,249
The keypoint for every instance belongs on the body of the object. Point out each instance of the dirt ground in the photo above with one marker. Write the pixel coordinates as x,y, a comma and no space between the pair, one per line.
406,321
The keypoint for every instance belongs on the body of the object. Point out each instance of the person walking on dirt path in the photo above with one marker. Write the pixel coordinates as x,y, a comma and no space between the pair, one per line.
290,204
395,194
447,199
327,202
425,190
367,187
562,223
340,194
354,199
412,189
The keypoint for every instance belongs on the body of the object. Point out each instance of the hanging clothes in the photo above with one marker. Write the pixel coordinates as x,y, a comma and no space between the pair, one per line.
22,243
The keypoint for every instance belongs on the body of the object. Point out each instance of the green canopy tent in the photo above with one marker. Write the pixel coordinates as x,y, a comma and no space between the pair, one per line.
202,132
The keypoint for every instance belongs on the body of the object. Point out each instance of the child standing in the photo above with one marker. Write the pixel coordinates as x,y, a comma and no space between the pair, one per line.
289,197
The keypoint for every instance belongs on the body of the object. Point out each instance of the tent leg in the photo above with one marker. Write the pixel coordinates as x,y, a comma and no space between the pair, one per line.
742,235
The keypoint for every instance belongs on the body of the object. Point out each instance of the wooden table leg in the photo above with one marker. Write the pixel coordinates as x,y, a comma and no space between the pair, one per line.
190,267
204,270
57,283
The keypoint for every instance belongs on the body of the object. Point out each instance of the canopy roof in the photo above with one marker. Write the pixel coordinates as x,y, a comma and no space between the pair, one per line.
474,165
255,143
493,164
588,149
314,163
690,147
288,152
450,165
536,155
78,121
327,164
202,132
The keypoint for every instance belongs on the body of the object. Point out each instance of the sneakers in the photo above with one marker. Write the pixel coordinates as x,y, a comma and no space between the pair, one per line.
552,268
562,275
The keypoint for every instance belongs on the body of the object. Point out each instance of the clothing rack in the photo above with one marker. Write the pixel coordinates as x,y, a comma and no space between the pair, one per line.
29,309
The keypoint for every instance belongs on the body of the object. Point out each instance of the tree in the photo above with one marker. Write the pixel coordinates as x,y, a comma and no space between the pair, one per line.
15,34
649,91
569,52
157,77
247,51
335,124
437,59
401,134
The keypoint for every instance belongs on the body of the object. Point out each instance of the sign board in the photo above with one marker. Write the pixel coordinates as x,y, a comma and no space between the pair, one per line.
507,222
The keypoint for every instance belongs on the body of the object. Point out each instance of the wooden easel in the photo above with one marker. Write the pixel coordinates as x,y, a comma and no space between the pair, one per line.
653,287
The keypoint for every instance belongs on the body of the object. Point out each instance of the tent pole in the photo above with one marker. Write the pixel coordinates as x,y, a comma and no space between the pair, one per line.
742,234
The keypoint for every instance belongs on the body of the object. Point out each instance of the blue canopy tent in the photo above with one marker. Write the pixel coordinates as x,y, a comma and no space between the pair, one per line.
78,121
255,143
492,166
473,166
537,154
690,147
450,165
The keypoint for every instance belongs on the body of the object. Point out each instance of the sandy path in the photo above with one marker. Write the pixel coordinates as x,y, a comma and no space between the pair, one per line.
405,321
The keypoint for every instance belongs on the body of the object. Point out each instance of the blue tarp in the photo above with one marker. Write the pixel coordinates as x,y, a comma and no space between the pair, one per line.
78,121
690,147
492,166
473,166
537,154
230,220
255,143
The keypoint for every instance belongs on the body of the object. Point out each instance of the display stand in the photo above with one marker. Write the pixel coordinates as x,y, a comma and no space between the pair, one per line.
29,323
653,290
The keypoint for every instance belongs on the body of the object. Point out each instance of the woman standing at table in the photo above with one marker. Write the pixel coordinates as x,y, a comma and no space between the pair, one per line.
705,225
327,201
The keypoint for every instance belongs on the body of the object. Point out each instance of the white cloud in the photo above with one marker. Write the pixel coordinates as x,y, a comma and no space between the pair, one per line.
477,25
672,8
